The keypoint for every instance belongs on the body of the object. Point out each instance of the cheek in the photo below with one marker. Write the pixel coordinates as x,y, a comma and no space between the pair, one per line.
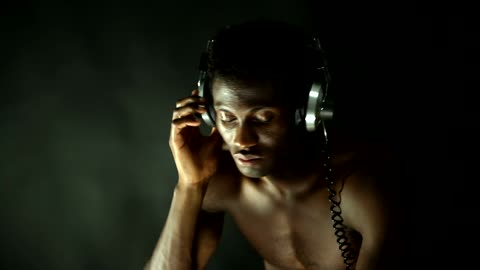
225,133
273,136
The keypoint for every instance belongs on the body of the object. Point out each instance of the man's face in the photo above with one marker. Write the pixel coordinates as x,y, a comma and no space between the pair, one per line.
255,125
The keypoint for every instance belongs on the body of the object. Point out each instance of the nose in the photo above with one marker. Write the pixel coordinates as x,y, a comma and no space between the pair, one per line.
245,137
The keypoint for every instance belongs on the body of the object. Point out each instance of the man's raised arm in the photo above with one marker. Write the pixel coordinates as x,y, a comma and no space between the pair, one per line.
190,234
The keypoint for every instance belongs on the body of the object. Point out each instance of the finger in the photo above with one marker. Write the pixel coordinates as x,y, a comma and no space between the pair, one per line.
191,120
195,92
187,110
190,99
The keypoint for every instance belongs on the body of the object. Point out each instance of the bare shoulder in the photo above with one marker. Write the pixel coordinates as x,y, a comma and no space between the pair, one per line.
367,174
372,196
373,170
369,205
223,186
365,159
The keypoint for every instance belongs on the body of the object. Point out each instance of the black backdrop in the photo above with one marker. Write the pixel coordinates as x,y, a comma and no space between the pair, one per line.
87,90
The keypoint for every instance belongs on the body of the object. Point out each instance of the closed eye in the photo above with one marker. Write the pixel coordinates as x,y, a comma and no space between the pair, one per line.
262,120
227,120
264,117
225,117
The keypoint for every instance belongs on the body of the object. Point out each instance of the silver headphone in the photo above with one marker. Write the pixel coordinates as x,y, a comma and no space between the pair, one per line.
317,110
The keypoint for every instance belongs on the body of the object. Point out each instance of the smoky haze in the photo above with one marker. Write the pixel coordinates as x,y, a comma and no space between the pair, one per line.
86,174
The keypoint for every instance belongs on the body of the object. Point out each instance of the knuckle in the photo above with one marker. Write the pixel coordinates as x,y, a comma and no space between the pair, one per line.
176,121
179,102
183,111
184,101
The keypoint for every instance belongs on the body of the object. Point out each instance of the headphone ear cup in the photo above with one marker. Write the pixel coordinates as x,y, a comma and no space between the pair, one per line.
314,104
319,106
203,85
210,113
204,91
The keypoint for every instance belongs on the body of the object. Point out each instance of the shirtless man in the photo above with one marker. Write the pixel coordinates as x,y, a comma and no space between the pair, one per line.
265,170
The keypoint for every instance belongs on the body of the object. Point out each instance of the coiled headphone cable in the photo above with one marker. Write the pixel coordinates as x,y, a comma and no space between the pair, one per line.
345,246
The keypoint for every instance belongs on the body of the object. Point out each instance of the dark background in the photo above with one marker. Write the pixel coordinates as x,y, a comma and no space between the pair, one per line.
87,90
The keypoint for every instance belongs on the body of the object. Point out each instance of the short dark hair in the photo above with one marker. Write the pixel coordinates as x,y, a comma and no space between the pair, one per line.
264,51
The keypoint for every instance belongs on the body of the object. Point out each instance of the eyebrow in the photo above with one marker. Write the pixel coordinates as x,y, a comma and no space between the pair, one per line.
254,109
256,104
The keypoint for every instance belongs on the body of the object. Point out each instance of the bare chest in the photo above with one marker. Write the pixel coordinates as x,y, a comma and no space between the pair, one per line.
299,235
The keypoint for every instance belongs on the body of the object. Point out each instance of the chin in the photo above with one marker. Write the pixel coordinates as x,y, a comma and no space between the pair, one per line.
252,172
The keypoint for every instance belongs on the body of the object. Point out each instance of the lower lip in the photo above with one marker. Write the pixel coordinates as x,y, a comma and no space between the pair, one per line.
248,162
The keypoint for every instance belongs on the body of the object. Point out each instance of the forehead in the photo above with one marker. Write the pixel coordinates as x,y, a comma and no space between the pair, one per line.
229,93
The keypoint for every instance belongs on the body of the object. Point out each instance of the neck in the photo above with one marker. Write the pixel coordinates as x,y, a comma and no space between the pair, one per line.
297,177
301,174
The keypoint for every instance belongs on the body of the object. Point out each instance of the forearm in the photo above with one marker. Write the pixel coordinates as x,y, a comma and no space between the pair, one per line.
174,248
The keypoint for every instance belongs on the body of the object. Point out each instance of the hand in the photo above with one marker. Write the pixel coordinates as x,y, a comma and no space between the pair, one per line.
195,155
